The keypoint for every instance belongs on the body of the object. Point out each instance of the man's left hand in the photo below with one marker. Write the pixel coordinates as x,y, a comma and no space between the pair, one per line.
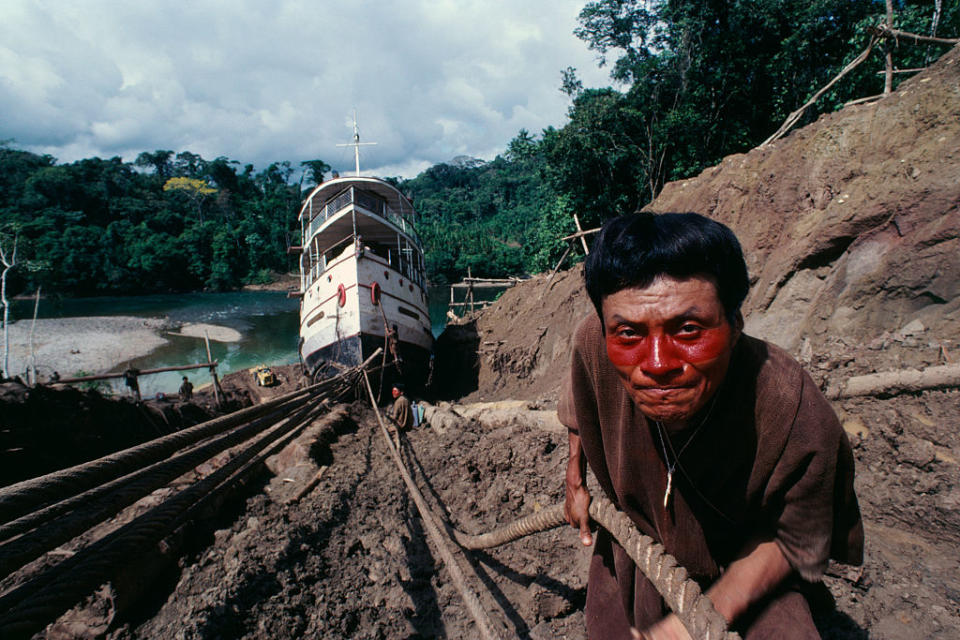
670,628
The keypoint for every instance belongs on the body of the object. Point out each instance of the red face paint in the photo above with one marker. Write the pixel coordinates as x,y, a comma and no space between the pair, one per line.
666,351
671,345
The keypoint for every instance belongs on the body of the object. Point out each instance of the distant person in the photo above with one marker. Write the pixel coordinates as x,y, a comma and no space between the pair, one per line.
401,414
715,444
55,377
186,390
393,345
130,377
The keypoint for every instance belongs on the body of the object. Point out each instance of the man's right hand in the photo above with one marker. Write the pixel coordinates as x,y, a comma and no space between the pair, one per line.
576,509
576,505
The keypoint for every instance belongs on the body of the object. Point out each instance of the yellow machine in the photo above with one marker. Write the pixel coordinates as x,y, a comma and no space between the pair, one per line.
264,376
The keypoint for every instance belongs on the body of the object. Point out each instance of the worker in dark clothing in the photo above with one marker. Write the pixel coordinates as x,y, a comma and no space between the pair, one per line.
186,390
401,414
130,377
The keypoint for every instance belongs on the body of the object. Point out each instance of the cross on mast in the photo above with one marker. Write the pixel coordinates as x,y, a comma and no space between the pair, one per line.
356,144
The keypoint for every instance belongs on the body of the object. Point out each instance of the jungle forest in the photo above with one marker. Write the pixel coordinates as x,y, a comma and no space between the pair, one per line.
692,82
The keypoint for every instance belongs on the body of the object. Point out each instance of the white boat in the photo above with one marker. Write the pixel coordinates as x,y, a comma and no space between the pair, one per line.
361,274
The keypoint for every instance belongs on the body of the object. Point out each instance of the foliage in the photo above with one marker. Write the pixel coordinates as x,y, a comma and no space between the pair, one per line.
163,223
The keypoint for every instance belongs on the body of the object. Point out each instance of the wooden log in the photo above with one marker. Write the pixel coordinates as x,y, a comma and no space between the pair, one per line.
888,57
144,372
889,383
482,285
915,70
217,391
583,240
579,234
863,100
503,281
885,32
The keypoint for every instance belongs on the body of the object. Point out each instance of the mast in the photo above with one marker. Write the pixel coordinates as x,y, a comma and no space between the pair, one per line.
356,144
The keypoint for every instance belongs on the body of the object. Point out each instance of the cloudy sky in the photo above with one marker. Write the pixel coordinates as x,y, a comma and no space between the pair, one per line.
265,80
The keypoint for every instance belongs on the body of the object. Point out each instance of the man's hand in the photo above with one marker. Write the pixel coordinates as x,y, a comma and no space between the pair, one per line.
670,628
576,505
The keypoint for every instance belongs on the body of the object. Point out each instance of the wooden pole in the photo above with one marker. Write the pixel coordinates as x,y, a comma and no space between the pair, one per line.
213,372
888,74
581,234
884,32
795,116
33,356
470,288
555,269
109,376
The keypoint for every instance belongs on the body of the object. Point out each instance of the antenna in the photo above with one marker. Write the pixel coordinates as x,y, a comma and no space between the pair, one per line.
356,144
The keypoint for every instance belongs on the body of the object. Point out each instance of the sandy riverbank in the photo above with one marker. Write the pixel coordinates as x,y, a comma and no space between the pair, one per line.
90,344
215,332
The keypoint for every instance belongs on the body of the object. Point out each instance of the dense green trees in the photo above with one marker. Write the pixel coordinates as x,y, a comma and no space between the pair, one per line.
163,223
696,80
699,80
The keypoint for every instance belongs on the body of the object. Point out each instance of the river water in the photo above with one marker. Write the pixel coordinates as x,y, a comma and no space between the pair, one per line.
268,322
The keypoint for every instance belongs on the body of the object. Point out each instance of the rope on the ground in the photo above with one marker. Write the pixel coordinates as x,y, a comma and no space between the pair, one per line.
107,500
681,594
34,604
23,497
470,599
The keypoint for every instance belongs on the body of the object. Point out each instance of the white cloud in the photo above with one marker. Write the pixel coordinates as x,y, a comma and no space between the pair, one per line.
261,82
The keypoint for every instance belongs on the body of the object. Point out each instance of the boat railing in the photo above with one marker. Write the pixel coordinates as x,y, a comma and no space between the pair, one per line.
395,259
368,203
330,255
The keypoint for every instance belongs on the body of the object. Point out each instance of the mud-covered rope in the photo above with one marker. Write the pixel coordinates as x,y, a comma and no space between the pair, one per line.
107,500
470,599
34,604
681,594
24,497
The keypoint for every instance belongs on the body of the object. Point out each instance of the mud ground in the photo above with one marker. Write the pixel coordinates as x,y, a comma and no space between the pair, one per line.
351,559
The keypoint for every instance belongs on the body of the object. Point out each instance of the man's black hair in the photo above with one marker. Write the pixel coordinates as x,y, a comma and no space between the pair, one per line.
632,250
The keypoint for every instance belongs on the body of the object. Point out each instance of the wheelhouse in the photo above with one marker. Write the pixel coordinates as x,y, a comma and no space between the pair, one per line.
359,216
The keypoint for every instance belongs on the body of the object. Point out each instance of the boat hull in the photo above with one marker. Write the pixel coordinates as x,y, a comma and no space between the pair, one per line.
327,360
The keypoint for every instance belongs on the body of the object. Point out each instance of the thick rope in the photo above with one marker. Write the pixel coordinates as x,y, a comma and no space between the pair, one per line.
23,497
470,599
681,594
109,499
31,606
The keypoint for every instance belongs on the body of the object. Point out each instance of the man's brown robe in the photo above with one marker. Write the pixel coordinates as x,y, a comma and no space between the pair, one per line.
770,460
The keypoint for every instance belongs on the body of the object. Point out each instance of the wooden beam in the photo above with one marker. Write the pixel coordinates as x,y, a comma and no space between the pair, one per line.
918,69
583,240
888,57
885,32
579,234
144,372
